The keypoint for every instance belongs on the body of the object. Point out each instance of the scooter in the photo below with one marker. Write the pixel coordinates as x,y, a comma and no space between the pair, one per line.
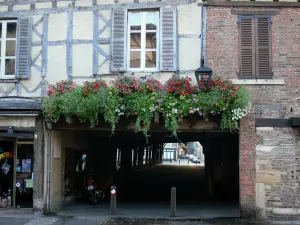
95,194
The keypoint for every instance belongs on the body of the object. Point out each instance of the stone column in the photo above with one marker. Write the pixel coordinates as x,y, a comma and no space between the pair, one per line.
140,154
247,149
39,153
135,156
147,155
209,167
56,171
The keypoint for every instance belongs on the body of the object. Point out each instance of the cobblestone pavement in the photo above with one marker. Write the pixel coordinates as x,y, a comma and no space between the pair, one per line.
45,220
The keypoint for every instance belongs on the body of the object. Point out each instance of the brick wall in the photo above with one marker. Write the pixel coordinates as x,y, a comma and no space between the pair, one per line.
269,101
222,31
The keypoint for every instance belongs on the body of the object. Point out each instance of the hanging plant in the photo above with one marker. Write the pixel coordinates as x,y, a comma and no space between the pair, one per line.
126,85
169,106
114,107
57,105
143,99
143,103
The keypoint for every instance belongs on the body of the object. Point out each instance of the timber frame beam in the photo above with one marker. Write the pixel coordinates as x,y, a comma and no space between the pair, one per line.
280,123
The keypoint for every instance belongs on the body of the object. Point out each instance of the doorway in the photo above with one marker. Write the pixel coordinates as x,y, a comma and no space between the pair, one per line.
24,174
7,156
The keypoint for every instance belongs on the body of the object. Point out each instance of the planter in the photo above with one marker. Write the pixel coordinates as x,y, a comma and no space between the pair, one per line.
48,123
69,119
192,119
216,119
156,117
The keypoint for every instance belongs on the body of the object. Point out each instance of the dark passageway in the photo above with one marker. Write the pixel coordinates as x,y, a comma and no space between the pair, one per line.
154,183
144,182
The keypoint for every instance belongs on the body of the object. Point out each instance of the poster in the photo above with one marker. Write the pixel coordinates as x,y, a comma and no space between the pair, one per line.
26,165
5,167
29,183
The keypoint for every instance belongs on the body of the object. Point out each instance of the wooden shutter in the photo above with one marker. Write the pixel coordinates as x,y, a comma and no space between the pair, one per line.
247,47
168,39
23,56
118,43
263,47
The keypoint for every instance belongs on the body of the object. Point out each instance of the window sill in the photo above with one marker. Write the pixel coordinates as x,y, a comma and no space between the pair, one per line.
142,71
8,80
258,81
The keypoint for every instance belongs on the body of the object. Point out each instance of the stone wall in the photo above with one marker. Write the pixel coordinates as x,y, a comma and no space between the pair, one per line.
277,179
268,186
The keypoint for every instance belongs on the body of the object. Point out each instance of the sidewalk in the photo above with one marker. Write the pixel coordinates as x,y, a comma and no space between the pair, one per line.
111,220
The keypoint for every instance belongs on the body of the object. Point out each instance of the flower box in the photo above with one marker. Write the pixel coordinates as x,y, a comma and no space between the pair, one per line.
177,103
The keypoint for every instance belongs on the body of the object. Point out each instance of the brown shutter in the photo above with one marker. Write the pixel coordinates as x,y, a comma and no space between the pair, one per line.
247,47
263,47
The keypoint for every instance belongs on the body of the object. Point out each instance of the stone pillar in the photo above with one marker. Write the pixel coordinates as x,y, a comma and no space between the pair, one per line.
154,154
147,155
135,156
128,158
38,187
140,154
209,167
56,171
248,140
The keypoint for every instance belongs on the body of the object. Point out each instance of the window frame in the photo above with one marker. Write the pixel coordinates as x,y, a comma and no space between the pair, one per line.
4,22
254,18
143,49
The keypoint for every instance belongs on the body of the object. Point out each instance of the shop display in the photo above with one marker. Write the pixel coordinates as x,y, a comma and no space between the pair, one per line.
21,185
5,200
5,167
26,165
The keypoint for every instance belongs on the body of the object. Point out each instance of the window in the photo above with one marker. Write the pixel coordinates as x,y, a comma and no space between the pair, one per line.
255,47
135,45
8,43
142,53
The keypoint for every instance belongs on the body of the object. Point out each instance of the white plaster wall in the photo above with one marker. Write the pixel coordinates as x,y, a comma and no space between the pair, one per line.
83,25
57,66
189,26
83,60
35,19
57,28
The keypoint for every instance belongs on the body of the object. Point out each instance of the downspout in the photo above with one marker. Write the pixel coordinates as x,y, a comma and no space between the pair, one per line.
203,35
48,171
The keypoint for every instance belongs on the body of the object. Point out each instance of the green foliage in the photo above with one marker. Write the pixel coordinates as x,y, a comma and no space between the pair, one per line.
114,107
143,105
133,97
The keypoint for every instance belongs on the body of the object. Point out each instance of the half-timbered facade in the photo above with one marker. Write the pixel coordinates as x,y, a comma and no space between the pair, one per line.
43,42
251,42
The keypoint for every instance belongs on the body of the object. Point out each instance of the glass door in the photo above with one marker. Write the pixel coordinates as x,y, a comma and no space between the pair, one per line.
24,174
7,153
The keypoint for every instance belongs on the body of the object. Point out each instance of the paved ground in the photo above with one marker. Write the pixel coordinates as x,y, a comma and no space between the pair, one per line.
153,210
42,220
27,219
182,162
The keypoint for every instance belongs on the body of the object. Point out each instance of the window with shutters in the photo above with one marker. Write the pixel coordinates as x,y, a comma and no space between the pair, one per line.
255,47
8,43
143,47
